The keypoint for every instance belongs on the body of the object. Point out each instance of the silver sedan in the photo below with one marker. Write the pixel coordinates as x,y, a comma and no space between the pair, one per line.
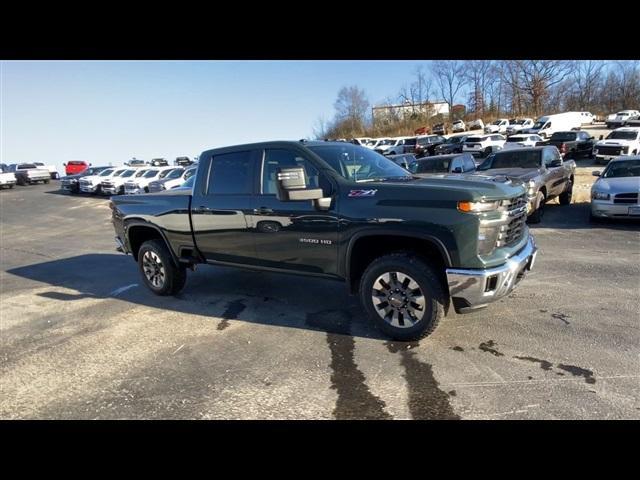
616,194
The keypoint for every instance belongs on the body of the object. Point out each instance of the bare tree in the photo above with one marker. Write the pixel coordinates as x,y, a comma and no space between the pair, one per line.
450,77
352,108
629,80
588,76
478,73
534,78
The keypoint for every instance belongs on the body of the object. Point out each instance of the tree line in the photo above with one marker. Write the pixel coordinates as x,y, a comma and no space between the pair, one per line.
489,89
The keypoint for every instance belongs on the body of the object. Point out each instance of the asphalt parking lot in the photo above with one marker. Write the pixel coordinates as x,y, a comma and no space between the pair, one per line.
83,339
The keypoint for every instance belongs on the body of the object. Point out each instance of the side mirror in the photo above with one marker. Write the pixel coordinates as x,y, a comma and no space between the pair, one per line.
64,164
90,164
457,170
592,138
601,137
292,186
595,173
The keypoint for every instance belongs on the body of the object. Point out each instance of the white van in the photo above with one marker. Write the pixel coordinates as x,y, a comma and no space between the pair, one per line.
549,124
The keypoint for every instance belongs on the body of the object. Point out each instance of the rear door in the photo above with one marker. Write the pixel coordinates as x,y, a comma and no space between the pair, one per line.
220,207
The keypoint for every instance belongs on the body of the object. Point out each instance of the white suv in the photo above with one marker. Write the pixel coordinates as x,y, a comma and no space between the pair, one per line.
620,142
483,145
520,126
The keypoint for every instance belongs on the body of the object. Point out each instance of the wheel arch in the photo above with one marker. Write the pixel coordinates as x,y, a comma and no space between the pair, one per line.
365,247
137,232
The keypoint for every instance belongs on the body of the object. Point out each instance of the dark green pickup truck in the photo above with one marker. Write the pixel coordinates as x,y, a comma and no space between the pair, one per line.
412,248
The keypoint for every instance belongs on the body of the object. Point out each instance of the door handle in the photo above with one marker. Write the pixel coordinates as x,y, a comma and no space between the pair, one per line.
202,209
262,211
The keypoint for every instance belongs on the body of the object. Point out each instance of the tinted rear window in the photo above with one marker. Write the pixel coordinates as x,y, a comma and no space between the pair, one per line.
231,174
564,136
76,163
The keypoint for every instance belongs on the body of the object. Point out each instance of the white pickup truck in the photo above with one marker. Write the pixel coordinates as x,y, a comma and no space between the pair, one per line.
140,184
520,126
620,119
620,142
53,171
7,179
499,126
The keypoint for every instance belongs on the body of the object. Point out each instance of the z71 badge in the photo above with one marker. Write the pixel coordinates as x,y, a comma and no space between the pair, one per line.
362,193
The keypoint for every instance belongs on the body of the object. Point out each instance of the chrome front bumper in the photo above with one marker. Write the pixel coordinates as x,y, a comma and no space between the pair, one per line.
470,289
608,209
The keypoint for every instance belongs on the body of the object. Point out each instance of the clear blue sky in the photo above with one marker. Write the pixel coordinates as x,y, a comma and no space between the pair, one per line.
106,111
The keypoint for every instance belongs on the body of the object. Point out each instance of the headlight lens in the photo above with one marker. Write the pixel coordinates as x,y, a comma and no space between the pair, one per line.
595,150
477,207
487,237
600,196
625,149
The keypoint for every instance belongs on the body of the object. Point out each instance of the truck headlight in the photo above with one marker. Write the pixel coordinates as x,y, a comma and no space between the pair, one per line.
595,151
477,207
487,237
531,185
624,149
600,196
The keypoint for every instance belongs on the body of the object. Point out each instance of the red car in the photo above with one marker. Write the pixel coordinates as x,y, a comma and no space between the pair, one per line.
75,166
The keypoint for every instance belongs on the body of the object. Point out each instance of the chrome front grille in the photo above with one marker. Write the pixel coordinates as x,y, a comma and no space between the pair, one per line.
512,231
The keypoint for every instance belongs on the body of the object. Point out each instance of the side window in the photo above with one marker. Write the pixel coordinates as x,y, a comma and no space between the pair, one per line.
469,164
549,155
231,174
456,163
275,158
189,173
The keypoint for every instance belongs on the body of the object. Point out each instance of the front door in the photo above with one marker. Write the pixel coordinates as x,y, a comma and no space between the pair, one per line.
219,212
293,235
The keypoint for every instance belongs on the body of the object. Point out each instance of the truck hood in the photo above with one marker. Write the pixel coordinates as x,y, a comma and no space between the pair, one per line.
523,174
615,143
460,186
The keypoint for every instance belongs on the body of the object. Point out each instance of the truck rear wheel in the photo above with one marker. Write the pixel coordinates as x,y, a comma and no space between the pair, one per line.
403,296
159,272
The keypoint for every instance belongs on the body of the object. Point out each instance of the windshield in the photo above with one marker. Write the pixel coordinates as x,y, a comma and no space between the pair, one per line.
165,173
387,142
433,165
76,163
626,168
151,173
25,166
104,173
516,139
563,136
538,125
127,173
622,135
359,164
456,139
118,173
175,173
512,159
497,122
141,172
189,183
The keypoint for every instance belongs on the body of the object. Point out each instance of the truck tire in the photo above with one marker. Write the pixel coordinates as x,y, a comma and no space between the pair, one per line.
21,181
47,181
536,216
565,197
159,273
403,296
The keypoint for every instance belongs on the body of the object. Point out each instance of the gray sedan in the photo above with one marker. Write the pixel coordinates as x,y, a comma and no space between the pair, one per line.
616,193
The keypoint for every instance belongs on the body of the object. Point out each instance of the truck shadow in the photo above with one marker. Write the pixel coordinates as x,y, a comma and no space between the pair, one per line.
224,294
576,216
77,195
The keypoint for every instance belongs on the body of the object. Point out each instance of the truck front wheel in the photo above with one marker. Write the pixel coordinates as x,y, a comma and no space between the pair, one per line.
403,296
159,272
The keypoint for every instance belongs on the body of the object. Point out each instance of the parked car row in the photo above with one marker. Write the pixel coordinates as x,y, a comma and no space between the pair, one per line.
23,174
108,180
